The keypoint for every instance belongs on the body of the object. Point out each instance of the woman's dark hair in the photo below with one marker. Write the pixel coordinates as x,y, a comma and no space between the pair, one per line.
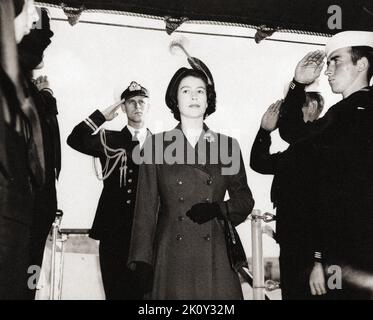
171,93
363,51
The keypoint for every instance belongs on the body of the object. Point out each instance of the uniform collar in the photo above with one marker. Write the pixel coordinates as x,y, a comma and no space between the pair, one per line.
142,135
142,131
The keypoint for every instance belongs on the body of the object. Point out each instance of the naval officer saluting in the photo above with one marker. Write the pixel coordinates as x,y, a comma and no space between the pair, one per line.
113,220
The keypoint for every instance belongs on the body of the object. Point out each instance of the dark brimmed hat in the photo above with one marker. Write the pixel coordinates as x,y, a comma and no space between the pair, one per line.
197,64
171,93
134,89
33,45
175,81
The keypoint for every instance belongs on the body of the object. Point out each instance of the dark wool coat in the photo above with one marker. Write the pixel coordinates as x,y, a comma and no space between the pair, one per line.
189,260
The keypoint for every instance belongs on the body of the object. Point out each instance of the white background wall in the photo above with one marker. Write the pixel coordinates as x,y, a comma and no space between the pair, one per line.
88,66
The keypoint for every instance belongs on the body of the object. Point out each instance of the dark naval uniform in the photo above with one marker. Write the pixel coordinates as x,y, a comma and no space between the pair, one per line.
113,220
342,145
45,201
293,196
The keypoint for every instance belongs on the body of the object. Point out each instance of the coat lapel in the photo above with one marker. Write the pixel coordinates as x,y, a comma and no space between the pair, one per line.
201,151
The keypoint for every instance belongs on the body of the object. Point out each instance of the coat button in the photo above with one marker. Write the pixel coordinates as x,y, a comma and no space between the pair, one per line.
128,201
130,170
179,182
209,182
206,200
181,199
129,191
179,237
129,180
181,218
207,237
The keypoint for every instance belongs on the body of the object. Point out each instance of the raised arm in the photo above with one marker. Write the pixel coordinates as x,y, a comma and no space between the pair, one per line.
83,139
261,160
291,125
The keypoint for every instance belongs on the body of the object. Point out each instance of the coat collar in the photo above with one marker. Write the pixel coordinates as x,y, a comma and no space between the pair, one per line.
207,137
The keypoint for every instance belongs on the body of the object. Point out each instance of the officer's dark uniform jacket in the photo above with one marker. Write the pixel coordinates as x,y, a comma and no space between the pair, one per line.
115,209
341,144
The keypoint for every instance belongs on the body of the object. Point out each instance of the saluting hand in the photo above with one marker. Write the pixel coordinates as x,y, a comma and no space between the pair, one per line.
41,83
111,112
309,68
270,117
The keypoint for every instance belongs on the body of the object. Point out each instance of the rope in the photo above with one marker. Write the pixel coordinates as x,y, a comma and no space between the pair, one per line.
207,22
119,154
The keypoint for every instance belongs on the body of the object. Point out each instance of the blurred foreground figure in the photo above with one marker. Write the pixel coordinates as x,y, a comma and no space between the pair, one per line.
21,154
31,51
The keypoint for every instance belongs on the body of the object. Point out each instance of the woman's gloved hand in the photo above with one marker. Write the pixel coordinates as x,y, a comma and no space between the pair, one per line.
203,212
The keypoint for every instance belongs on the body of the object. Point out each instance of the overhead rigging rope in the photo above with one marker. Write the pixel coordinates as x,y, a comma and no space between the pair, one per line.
206,22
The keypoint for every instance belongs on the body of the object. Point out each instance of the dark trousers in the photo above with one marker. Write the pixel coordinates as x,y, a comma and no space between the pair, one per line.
295,270
15,217
120,283
45,207
14,260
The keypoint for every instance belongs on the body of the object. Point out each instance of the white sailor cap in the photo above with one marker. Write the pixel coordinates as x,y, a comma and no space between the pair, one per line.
349,39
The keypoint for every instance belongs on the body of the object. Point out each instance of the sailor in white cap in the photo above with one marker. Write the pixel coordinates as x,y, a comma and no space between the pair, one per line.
341,144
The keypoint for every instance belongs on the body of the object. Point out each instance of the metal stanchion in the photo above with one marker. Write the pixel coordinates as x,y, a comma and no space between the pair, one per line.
257,252
259,286
63,239
55,229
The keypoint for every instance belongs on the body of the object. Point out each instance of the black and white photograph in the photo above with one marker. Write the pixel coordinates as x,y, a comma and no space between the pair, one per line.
177,150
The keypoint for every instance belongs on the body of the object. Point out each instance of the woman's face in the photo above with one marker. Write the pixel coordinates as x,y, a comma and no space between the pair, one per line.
192,97
24,21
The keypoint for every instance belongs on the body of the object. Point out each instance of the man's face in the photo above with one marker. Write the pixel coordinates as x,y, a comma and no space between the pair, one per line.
24,21
341,71
192,97
136,108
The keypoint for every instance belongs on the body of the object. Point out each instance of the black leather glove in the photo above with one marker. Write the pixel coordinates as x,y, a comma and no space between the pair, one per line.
203,212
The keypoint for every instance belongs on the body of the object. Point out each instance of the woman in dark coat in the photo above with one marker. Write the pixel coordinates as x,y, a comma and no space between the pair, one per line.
178,224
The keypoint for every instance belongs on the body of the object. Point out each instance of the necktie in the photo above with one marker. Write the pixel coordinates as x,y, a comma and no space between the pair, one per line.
136,135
